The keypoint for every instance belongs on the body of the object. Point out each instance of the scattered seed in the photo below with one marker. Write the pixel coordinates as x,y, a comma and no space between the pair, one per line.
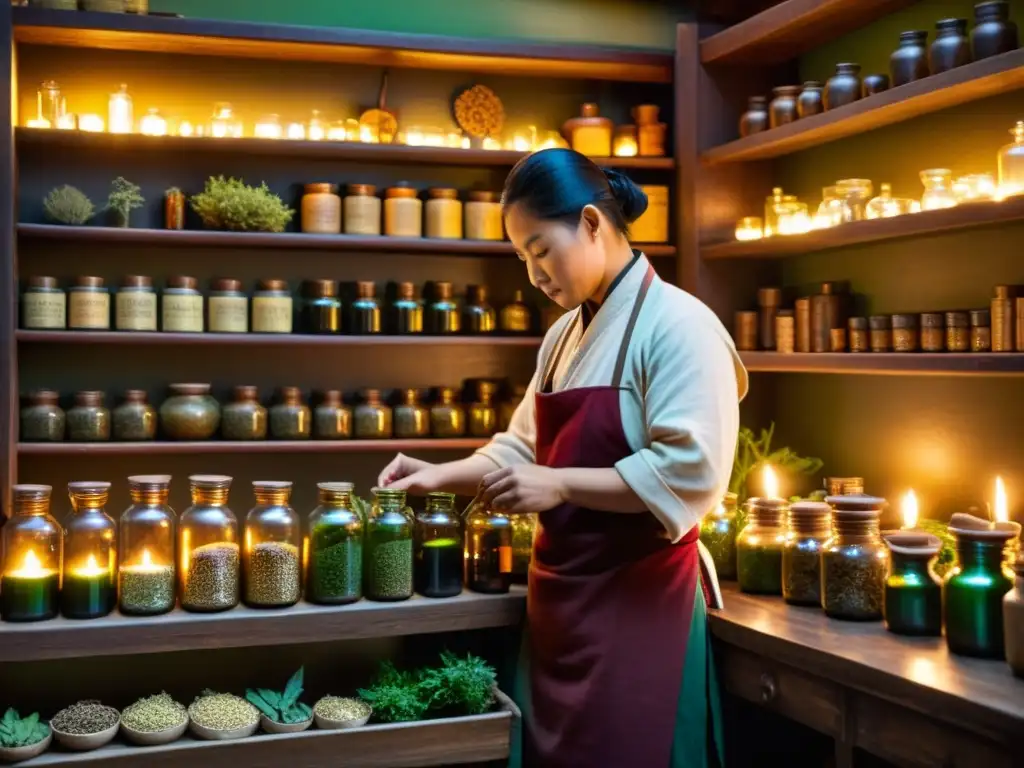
273,574
147,592
212,580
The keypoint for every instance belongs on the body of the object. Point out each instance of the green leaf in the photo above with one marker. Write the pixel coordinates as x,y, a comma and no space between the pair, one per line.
40,732
260,703
305,710
273,698
11,716
292,690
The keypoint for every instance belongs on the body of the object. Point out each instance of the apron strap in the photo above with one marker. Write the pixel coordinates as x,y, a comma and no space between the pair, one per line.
547,380
620,362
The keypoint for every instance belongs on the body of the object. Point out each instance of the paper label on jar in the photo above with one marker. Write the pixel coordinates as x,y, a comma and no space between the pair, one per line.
135,311
44,310
183,313
88,310
272,314
229,314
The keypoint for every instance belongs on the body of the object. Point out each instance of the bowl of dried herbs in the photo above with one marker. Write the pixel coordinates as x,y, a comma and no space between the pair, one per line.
222,716
86,725
334,713
154,720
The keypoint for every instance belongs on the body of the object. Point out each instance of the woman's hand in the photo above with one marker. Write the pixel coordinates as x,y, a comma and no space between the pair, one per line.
523,488
405,473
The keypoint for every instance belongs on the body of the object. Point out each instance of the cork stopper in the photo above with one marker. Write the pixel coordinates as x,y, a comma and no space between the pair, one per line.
366,289
319,289
183,282
89,399
407,291
136,281
245,393
290,395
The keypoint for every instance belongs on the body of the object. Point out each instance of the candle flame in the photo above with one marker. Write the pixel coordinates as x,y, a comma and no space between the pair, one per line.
31,566
770,482
910,512
1001,512
147,560
91,568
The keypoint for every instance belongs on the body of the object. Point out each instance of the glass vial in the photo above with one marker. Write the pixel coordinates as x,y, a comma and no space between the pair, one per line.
146,575
334,573
271,564
209,562
88,585
438,548
33,545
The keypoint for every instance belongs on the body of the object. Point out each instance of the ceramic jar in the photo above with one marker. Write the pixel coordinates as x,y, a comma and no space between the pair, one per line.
993,32
872,84
134,419
190,413
950,48
290,418
332,419
88,420
755,119
782,109
42,418
843,87
244,418
909,62
811,101
1013,621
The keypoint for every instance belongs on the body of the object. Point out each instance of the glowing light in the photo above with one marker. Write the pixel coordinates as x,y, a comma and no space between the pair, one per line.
153,124
91,568
909,510
268,127
185,128
1000,509
31,568
66,122
38,122
316,128
296,131
119,116
749,228
769,482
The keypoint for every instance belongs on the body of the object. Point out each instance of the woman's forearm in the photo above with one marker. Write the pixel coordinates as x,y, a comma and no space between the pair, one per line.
463,476
602,489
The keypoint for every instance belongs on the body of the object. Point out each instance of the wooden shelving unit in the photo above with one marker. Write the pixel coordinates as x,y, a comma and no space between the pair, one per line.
215,447
127,338
889,363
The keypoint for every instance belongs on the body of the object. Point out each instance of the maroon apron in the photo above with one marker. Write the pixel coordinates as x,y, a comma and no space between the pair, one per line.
610,602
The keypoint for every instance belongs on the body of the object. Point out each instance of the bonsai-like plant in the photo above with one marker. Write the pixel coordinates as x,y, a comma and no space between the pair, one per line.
17,731
68,205
124,198
233,205
283,706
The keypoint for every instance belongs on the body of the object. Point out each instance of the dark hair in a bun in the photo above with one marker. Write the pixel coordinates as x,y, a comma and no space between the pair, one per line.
557,184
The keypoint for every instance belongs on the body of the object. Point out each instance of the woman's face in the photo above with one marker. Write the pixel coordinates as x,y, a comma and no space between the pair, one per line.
566,262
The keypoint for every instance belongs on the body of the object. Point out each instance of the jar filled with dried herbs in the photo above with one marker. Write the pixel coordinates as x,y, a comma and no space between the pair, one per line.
438,547
146,548
208,547
718,532
809,529
271,565
933,332
488,549
372,417
182,306
88,419
42,418
332,419
515,317
88,305
981,330
272,310
334,574
759,547
135,304
855,560
880,333
244,418
406,312
906,335
441,316
411,419
447,416
483,416
477,315
290,418
227,307
134,419
43,305
365,310
958,332
388,568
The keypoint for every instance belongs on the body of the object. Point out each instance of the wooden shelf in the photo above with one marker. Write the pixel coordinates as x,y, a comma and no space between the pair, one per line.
889,363
790,28
243,627
265,339
860,232
978,80
163,448
337,45
392,154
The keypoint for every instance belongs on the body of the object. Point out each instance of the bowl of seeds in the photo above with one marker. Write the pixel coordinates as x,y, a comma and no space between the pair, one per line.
154,720
222,716
333,713
85,725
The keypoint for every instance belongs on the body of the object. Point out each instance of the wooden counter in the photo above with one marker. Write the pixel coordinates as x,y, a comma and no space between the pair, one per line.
906,700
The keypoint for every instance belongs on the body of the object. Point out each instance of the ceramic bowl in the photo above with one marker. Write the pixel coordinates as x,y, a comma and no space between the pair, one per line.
272,726
326,724
17,754
83,742
154,738
214,734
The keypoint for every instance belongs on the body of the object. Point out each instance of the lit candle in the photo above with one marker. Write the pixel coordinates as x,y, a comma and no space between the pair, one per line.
625,142
268,127
91,123
66,122
909,510
770,483
414,137
296,131
119,117
146,588
29,593
153,124
88,591
185,128
912,598
1001,514
317,132
491,143
749,228
337,131
38,122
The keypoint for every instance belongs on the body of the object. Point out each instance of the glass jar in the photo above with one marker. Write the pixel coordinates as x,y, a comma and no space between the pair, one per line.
794,219
365,309
437,566
208,547
411,419
855,560
244,418
403,212
913,593
334,574
32,544
362,210
290,418
388,571
43,305
885,206
718,535
782,108
442,314
759,547
42,418
1013,621
145,575
483,216
773,204
477,315
880,333
975,187
321,307
832,210
272,307
227,307
483,417
801,553
135,304
447,417
271,565
905,333
650,132
268,127
88,586
134,419
856,193
182,306
524,527
1011,163
444,213
223,124
488,549
933,332
958,334
589,134
938,189
981,330
88,420
190,413
88,305
406,315
507,408
515,317
332,419
372,417
120,111
320,209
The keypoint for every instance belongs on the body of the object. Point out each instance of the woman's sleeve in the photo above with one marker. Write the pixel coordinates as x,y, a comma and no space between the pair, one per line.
516,445
692,382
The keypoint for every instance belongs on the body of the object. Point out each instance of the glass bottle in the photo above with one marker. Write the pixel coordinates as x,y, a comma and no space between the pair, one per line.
387,573
913,592
483,416
43,304
244,418
365,309
42,418
1011,163
447,416
334,572
88,419
88,585
153,123
271,566
332,419
317,128
507,409
145,581
442,314
372,417
321,307
406,315
268,127
438,550
182,306
886,206
938,189
524,527
759,547
772,205
223,124
718,534
290,418
411,419
856,193
488,549
119,112
32,545
51,103
515,317
477,315
189,413
855,560
801,553
208,570
134,419
272,307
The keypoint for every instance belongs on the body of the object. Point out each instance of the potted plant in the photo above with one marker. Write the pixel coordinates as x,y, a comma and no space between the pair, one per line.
231,204
22,737
281,711
68,205
124,198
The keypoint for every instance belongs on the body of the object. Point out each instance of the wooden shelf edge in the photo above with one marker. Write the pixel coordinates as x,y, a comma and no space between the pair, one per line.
888,363
242,627
133,338
225,447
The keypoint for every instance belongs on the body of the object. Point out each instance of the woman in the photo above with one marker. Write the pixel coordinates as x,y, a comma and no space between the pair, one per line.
625,438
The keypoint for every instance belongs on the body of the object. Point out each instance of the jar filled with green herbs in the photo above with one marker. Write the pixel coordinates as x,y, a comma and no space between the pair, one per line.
388,566
809,529
855,560
488,549
718,534
438,556
271,563
335,566
759,547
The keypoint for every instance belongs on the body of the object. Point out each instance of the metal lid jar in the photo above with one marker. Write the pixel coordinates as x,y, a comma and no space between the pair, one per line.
320,209
483,216
403,212
855,560
441,316
438,547
134,419
272,307
135,304
208,551
182,306
88,305
411,419
88,419
488,549
809,529
227,307
33,546
332,419
290,417
42,418
759,547
145,582
373,417
365,310
334,573
321,307
43,305
447,416
244,418
388,571
88,586
444,213
271,563
478,316
362,210
406,312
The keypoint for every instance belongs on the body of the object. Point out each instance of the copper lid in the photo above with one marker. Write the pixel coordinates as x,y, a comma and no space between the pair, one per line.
933,320
290,395
136,281
482,196
980,318
787,313
443,290
371,396
226,285
245,393
769,297
44,397
273,284
366,289
904,321
589,109
330,397
88,281
411,396
183,281
189,389
135,396
827,289
321,187
443,193
401,190
446,394
1003,292
880,322
407,290
319,289
857,323
89,398
476,294
42,281
361,190
957,319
